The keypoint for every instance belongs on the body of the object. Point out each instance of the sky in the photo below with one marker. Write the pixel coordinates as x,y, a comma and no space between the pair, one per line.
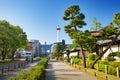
39,18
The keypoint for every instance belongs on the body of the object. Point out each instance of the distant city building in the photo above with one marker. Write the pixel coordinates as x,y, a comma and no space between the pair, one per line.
46,48
53,48
35,47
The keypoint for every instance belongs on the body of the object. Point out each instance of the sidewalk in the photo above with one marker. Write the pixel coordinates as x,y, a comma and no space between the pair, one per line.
60,71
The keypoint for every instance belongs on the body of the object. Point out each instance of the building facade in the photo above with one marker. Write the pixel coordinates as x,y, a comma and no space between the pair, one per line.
35,47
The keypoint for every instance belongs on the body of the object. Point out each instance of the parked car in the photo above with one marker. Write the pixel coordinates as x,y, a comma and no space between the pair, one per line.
29,56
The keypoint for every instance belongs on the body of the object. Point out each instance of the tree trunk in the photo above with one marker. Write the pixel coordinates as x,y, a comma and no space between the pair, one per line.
99,57
103,52
12,56
83,56
3,55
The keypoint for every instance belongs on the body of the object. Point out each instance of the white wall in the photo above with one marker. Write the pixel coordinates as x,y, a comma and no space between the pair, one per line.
114,48
73,54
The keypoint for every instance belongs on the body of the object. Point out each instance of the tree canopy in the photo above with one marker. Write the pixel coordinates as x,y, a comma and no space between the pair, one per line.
95,25
11,38
110,33
73,29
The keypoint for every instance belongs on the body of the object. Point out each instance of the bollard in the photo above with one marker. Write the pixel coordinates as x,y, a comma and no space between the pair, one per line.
94,73
106,69
117,72
106,78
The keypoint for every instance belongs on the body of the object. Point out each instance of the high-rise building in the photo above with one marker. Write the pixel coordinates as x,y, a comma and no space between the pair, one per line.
46,48
35,47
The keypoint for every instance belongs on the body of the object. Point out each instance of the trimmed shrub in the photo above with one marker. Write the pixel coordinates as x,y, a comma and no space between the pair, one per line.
105,62
92,56
101,67
36,73
110,58
111,70
89,62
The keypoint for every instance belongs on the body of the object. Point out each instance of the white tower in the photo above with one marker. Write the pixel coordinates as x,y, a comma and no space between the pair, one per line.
58,33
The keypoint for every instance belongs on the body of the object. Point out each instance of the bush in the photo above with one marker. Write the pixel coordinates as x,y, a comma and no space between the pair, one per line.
89,62
101,67
92,56
111,70
105,62
36,73
110,58
115,54
77,60
111,66
115,64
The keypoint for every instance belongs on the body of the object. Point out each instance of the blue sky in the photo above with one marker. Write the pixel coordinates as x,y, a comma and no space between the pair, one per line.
39,18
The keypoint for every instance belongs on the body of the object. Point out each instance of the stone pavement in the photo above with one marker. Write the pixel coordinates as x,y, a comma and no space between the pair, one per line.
60,71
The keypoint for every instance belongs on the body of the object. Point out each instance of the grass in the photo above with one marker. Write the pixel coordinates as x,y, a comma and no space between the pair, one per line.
93,72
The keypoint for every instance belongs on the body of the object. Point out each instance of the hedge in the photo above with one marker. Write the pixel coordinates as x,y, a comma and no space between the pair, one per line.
36,73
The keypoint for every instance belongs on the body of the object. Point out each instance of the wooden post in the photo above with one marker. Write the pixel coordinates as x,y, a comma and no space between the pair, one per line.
94,73
106,69
106,78
117,72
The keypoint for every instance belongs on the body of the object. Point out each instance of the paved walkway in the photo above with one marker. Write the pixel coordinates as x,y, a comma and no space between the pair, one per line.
60,71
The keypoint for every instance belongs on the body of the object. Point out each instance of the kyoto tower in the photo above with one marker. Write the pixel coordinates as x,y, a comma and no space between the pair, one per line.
58,33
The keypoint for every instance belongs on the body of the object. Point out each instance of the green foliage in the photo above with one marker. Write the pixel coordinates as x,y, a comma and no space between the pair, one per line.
105,62
116,19
101,67
89,62
114,54
81,38
95,25
112,70
111,66
36,73
110,32
58,51
11,38
92,56
115,64
77,60
110,58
